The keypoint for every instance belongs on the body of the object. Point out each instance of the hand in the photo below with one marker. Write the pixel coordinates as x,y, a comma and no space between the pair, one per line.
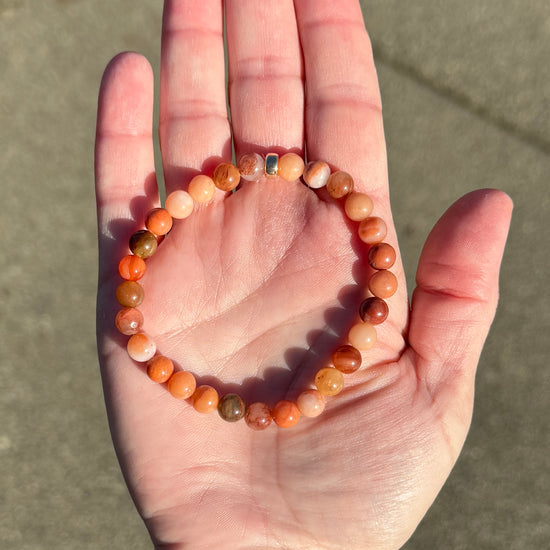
254,291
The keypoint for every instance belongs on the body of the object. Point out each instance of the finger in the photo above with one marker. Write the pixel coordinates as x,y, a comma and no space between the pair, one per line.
265,76
124,160
193,124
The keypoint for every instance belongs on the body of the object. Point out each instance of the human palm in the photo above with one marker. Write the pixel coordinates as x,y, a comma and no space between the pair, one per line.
254,291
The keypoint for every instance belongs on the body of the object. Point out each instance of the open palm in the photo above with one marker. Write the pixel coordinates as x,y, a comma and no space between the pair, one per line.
254,291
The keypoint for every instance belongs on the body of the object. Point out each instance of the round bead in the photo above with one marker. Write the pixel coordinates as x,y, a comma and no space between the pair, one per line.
383,284
131,268
159,221
311,403
129,294
372,230
358,206
182,384
140,347
226,176
251,167
373,310
257,416
347,359
339,184
291,166
285,414
143,243
201,188
179,204
329,381
231,407
205,399
316,174
382,256
159,369
129,321
362,336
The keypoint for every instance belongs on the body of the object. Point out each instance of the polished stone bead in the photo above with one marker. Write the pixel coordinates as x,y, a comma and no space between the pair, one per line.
159,369
182,384
373,310
358,206
316,174
179,204
329,381
258,416
205,399
231,407
129,294
131,268
226,176
362,336
285,414
339,184
143,243
382,256
201,188
383,284
129,321
140,347
271,165
159,221
251,167
372,230
291,167
311,403
347,359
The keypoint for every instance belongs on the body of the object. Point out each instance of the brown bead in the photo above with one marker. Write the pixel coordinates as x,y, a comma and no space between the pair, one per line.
143,243
347,359
131,268
285,414
159,221
205,399
226,176
329,381
291,167
231,407
374,310
257,416
159,369
383,284
339,184
372,230
129,294
182,384
129,321
381,256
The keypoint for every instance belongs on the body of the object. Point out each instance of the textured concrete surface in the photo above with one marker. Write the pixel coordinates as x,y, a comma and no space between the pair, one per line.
466,91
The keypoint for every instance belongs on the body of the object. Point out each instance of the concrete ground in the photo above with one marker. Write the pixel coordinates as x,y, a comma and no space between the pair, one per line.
466,91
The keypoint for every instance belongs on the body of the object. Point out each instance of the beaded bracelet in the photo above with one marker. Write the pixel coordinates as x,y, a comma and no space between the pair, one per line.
329,380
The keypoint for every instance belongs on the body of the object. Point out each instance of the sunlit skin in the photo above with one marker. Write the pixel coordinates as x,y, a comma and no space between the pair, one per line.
253,292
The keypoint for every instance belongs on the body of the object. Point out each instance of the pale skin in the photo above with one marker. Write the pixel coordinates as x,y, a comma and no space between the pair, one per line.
254,291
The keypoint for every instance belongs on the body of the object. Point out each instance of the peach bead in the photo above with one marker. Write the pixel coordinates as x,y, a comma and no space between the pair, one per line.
202,188
159,221
131,268
205,399
311,403
129,294
372,230
339,184
316,174
362,336
285,414
129,321
182,384
179,204
383,284
358,206
258,416
159,369
251,167
329,381
226,176
291,167
140,347
382,256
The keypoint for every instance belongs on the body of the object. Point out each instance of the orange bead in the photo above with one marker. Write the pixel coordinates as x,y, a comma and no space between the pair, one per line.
182,384
201,188
362,336
159,369
311,403
158,221
329,381
372,230
131,268
291,167
316,174
382,256
383,284
140,347
339,184
129,294
226,176
205,399
179,204
285,414
358,206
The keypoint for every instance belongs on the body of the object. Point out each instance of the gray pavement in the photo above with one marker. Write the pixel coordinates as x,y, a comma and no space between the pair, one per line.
466,92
